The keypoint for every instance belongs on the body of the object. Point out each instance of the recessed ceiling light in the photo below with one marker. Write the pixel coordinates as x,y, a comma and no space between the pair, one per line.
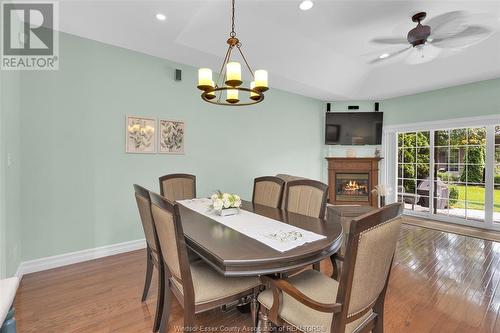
385,55
161,17
306,5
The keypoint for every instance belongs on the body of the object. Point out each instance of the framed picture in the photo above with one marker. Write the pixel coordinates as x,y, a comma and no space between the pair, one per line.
171,136
140,135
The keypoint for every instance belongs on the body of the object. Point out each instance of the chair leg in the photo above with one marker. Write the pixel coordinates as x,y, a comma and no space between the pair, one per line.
335,267
189,320
264,323
149,274
254,307
167,301
160,300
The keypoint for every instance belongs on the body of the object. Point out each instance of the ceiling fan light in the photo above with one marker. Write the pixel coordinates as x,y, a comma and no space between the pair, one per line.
385,55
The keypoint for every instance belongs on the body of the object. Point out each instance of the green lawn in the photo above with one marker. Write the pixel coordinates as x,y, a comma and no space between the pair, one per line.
475,193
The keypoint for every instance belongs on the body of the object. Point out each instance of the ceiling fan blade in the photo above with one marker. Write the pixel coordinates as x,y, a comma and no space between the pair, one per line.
390,40
390,55
470,36
447,24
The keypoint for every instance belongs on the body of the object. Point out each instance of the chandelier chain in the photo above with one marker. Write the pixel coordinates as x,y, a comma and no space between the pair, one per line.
233,33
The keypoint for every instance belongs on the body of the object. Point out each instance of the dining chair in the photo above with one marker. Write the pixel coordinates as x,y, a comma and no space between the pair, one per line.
344,214
178,186
153,256
268,191
311,300
195,285
306,197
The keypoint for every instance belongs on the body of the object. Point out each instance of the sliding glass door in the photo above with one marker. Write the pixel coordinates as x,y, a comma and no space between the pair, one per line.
451,173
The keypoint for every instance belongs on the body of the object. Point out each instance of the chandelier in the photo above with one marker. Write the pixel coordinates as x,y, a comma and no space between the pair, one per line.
232,86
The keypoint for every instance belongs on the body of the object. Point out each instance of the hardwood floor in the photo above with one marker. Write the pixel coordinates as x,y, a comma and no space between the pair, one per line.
440,282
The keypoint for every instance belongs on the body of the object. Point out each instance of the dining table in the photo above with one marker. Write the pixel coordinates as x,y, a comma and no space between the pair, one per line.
232,253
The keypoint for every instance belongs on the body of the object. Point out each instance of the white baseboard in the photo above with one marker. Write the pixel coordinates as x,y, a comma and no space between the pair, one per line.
43,264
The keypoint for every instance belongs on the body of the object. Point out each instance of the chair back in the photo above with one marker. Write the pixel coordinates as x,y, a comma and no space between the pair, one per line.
171,237
178,186
306,197
144,205
369,254
268,191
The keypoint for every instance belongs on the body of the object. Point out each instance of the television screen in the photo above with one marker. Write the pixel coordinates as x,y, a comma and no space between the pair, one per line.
353,128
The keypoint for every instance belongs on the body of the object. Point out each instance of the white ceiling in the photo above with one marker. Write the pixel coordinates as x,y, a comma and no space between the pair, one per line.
322,53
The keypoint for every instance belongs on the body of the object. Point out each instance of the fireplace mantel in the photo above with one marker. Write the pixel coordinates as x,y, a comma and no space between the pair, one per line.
355,166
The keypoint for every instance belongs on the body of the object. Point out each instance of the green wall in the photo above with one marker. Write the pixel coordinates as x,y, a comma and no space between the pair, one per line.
10,222
77,177
470,100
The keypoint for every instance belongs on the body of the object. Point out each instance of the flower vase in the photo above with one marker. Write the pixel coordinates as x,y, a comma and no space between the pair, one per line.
228,211
382,201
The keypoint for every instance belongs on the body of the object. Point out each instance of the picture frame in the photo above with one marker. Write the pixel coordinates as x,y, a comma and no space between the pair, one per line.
140,135
171,136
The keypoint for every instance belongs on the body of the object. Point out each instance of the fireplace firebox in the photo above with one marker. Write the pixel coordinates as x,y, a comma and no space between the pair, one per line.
352,187
351,180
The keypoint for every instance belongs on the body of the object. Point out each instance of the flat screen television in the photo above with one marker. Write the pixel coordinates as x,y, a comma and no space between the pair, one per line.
353,128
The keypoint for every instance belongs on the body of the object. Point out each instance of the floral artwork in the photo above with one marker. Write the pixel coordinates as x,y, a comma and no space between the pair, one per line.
171,137
141,136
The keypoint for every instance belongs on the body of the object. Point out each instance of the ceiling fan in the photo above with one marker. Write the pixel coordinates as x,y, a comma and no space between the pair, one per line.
449,31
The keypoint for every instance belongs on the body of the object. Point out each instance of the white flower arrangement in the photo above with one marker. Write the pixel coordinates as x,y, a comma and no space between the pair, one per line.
382,190
225,203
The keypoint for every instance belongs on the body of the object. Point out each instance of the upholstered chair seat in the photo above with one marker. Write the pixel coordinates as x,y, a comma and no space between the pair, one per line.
211,286
320,288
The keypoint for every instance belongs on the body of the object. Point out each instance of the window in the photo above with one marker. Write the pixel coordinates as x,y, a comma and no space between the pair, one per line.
459,167
413,170
446,173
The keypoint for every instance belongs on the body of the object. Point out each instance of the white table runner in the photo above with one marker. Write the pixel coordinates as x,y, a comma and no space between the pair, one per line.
278,235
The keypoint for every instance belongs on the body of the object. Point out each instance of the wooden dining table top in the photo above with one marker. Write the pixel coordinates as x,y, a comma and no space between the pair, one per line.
232,253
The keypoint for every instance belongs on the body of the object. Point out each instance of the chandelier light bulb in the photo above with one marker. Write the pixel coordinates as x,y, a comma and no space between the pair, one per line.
233,74
253,95
232,96
261,80
205,79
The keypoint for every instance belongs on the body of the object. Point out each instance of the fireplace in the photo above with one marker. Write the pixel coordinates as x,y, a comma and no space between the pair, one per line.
351,180
352,187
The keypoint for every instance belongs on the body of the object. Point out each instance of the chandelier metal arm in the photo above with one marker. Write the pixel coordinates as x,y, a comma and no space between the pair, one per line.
226,58
245,59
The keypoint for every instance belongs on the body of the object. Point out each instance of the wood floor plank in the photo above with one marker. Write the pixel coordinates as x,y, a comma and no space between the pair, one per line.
440,282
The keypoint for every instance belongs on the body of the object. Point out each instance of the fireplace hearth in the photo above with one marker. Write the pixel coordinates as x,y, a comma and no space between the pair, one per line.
351,180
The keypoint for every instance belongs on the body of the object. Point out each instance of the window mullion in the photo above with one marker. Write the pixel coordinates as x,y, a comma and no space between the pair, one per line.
431,172
489,174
